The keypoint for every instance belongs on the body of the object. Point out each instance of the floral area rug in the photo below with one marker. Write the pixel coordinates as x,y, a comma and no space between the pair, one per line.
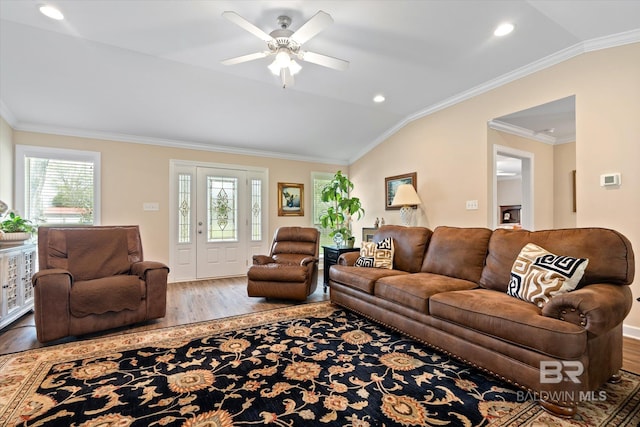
306,365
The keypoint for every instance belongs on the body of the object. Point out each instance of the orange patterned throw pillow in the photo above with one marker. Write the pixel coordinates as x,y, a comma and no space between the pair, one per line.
537,274
378,255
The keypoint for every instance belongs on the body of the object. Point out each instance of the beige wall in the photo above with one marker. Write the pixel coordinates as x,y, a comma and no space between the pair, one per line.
135,173
564,156
450,151
6,163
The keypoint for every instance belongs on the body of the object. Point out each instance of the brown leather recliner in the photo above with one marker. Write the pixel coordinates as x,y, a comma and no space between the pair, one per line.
94,278
290,271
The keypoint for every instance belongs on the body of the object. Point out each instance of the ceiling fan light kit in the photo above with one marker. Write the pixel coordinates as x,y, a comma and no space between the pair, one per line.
286,45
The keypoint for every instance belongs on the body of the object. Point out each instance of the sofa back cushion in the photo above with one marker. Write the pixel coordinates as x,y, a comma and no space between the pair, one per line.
97,253
409,245
295,241
610,255
115,248
457,252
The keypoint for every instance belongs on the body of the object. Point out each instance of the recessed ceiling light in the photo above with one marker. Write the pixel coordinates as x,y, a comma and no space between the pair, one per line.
51,12
378,99
503,29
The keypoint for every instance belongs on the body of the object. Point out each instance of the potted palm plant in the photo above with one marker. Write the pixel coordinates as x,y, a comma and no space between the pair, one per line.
341,209
15,229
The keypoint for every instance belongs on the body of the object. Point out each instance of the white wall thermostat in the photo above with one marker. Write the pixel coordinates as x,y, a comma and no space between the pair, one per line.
609,179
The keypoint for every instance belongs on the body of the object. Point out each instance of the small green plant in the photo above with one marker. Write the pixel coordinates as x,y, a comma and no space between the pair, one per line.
16,224
341,207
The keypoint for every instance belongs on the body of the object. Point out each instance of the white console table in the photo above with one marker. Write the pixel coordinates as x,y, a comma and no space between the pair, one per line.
17,265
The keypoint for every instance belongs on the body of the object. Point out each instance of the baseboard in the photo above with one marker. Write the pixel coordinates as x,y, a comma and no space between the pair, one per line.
631,332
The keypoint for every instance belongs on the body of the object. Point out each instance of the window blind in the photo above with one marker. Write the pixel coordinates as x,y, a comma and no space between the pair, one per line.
59,191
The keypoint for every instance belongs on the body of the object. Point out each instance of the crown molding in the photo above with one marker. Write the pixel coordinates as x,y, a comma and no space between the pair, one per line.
6,114
620,39
600,43
189,145
520,131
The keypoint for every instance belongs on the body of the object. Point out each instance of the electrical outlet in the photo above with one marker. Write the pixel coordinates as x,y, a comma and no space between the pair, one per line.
472,205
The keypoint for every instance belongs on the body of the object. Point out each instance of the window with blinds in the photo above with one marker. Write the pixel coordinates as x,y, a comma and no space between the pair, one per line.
59,186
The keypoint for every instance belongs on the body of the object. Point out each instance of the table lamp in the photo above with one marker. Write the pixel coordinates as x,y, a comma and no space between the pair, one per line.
407,198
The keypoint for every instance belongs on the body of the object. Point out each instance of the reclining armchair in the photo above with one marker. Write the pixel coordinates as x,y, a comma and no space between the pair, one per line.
290,271
94,278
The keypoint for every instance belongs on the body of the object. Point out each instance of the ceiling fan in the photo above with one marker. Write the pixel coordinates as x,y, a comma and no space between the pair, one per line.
286,45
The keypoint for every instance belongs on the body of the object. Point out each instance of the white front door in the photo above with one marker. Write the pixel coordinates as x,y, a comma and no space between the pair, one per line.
219,221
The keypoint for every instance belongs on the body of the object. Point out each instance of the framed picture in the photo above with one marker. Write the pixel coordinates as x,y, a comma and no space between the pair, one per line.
290,199
391,184
573,189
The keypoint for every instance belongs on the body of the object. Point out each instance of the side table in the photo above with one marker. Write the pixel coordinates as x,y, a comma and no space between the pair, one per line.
331,255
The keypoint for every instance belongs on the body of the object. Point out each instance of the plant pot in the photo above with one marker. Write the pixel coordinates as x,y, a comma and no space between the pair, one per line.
349,243
13,238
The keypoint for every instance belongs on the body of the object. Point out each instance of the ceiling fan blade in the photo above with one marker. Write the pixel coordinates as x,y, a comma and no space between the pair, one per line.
243,23
313,26
245,58
324,60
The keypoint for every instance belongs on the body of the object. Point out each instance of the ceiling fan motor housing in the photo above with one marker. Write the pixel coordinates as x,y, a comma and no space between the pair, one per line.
282,37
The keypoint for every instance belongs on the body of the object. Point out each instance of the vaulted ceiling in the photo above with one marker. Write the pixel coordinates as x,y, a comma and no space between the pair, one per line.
150,71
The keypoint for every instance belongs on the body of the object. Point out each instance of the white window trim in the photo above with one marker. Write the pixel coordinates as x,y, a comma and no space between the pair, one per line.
23,151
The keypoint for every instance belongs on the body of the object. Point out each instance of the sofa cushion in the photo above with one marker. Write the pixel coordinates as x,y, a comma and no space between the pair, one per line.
537,274
113,293
278,272
362,278
378,255
610,255
410,245
413,290
510,319
457,252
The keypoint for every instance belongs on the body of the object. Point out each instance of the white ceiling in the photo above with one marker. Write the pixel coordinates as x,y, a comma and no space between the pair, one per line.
150,71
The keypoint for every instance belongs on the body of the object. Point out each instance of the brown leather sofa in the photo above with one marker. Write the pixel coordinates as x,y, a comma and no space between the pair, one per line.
290,271
94,278
448,289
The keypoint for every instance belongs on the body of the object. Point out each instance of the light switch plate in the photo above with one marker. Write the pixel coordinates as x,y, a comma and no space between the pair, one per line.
472,205
151,206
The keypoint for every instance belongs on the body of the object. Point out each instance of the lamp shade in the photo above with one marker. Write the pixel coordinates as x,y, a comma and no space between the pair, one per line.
405,196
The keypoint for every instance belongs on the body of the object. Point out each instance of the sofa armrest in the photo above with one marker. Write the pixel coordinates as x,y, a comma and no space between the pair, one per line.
56,274
141,268
308,260
348,258
598,307
51,289
155,276
262,260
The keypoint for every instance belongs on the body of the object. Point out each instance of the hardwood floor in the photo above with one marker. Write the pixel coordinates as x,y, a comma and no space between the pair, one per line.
190,302
187,302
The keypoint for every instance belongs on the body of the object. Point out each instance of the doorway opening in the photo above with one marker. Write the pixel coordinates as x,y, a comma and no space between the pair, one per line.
512,183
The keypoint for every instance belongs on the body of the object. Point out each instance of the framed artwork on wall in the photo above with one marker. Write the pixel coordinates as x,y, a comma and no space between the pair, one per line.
391,184
290,199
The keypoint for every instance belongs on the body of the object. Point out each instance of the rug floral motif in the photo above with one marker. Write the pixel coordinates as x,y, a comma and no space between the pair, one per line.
312,364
